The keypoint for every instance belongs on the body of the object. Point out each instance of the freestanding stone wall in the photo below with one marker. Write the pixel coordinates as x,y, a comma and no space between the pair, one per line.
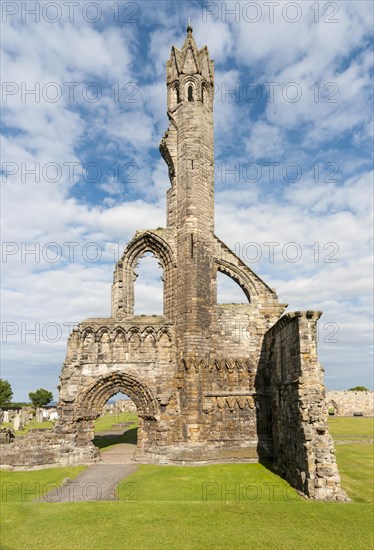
349,403
211,382
292,407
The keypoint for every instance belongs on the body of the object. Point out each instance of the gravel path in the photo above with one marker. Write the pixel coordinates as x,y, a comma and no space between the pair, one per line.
100,480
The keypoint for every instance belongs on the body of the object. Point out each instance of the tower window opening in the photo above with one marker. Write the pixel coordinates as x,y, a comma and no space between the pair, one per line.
177,94
190,93
202,94
149,286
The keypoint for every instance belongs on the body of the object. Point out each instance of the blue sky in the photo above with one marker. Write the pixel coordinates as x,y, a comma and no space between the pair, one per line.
293,145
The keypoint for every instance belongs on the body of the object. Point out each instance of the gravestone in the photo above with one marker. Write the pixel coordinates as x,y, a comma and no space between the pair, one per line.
17,423
24,417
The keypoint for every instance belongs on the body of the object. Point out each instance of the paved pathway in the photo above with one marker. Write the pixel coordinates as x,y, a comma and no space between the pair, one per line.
100,480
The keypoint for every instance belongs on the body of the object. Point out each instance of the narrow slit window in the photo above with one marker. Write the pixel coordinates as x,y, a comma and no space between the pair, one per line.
190,93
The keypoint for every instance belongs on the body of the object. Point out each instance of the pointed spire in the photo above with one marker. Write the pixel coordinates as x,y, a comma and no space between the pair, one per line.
190,41
190,60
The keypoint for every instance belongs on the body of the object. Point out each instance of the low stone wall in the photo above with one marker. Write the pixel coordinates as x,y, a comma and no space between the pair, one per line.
44,448
347,403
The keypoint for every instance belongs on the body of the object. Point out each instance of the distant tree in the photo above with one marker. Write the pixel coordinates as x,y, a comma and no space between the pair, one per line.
358,388
40,397
5,392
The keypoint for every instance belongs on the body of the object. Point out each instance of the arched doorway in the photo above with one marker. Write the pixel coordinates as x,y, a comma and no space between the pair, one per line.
116,430
92,399
332,408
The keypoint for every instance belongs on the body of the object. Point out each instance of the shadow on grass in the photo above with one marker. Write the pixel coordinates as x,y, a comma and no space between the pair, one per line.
129,436
269,465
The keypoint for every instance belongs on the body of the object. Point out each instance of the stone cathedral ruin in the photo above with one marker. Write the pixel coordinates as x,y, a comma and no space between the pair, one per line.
202,394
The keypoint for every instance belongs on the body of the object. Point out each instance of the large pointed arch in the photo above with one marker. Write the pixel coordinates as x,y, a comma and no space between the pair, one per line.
91,401
147,241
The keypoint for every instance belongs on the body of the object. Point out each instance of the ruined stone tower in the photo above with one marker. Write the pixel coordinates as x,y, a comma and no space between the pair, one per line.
212,383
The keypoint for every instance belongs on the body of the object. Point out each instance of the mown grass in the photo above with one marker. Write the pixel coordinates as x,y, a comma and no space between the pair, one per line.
106,421
356,466
213,483
354,428
236,506
186,525
30,486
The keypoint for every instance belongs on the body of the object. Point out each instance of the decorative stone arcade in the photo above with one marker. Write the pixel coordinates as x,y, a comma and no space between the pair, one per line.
212,383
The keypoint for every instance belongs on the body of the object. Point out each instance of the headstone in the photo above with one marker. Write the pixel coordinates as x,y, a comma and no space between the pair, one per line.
17,423
24,417
6,416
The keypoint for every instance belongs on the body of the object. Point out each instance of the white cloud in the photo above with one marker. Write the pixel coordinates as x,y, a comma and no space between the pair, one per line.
265,141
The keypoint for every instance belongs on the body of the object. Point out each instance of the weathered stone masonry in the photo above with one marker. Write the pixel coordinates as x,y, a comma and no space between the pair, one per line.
349,403
204,391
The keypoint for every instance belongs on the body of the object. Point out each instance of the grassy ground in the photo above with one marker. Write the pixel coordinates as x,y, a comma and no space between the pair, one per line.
33,424
351,428
356,465
188,525
107,421
212,507
355,460
29,486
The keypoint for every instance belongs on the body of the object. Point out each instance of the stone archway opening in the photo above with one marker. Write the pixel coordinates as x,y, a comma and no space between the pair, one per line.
116,428
90,405
332,408
229,291
149,286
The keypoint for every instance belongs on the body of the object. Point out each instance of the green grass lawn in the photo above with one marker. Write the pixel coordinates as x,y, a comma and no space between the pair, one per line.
29,486
356,466
106,421
355,428
33,424
238,506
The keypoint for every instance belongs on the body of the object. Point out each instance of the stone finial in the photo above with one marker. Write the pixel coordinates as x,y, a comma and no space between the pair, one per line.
189,28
